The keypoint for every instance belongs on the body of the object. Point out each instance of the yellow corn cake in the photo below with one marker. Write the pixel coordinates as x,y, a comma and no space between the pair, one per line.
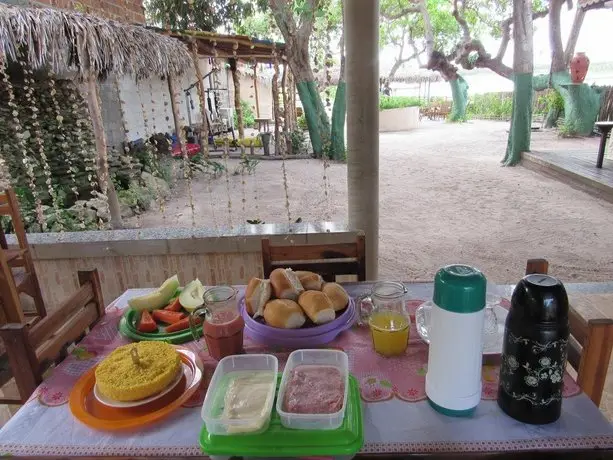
118,376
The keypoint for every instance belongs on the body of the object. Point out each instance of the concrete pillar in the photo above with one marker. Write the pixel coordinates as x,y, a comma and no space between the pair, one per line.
362,60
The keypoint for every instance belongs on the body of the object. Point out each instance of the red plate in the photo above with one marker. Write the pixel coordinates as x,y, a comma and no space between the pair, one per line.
87,409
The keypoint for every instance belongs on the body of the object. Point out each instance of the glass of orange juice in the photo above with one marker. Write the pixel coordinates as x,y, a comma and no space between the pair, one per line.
384,310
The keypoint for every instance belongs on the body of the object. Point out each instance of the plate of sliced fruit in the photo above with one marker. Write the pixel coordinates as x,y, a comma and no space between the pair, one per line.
163,314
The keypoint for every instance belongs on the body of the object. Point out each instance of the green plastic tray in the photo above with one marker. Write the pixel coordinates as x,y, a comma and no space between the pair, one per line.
279,441
127,327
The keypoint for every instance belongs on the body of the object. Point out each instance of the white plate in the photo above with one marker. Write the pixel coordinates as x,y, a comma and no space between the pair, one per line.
492,345
121,404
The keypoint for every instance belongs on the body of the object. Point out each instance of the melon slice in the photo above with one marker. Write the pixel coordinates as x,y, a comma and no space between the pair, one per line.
192,295
158,298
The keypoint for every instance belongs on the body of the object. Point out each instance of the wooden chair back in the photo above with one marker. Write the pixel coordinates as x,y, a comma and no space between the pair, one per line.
31,349
589,350
329,260
9,206
25,279
9,293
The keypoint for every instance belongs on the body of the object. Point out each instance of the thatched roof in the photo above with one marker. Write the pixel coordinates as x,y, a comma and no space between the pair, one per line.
71,41
412,76
592,4
241,47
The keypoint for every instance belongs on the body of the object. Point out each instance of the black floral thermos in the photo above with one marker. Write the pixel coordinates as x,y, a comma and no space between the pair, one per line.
534,351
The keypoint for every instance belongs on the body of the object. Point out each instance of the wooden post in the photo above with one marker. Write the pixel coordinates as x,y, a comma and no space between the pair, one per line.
286,110
175,114
204,134
237,97
275,105
255,89
106,184
362,44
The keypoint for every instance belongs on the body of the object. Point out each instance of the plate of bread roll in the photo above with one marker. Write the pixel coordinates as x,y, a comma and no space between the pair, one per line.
296,308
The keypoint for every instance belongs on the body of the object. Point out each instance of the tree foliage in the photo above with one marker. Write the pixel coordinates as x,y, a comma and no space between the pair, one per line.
207,15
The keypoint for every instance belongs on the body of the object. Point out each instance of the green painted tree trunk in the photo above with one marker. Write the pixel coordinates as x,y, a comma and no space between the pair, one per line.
337,131
459,93
316,116
521,119
581,102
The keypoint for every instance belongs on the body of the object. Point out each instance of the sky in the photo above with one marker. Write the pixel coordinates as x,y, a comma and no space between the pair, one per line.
593,40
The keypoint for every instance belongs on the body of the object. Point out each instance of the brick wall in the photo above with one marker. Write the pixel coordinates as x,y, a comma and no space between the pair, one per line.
131,11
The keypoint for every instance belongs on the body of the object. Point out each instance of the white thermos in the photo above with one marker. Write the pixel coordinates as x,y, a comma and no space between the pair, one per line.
453,380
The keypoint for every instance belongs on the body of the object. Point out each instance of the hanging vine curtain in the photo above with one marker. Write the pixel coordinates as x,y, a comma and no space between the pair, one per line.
52,42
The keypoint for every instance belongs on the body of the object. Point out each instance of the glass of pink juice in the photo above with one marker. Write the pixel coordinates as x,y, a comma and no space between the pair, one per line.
223,325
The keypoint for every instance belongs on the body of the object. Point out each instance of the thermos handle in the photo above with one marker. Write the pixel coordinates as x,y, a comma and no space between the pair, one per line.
422,320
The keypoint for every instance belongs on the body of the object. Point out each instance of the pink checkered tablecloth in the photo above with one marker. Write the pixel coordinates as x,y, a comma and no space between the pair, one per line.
396,417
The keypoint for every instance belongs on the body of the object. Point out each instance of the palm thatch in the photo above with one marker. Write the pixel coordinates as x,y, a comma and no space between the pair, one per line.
593,4
67,41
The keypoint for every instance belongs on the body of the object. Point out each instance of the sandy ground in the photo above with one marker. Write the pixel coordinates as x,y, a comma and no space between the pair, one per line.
444,198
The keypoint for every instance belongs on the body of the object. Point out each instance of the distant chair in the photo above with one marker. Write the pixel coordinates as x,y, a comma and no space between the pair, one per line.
329,260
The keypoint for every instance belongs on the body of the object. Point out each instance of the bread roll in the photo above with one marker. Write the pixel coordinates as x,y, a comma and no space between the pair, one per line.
317,306
284,313
285,284
337,295
258,292
310,281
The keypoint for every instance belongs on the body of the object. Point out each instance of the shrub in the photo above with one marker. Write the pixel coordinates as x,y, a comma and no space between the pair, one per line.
248,115
297,137
398,102
497,106
302,123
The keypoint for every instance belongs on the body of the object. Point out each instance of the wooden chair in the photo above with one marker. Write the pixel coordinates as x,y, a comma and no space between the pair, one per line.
16,264
31,348
329,260
590,346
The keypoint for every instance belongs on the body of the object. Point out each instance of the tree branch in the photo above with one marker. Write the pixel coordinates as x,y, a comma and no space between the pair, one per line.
402,39
399,14
574,35
284,18
416,52
483,59
307,19
399,62
555,36
506,37
460,20
429,34
506,32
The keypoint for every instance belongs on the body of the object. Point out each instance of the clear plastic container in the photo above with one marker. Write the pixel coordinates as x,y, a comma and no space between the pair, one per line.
332,421
228,369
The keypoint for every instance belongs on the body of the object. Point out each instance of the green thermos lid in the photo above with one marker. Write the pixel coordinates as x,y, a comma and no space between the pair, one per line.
460,289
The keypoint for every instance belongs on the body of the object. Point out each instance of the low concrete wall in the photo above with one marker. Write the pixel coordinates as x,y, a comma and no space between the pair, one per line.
403,119
145,258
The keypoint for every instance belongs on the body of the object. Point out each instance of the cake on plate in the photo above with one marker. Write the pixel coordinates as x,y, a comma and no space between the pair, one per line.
137,371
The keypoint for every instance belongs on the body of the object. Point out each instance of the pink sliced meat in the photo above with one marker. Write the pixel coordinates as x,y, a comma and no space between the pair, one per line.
313,389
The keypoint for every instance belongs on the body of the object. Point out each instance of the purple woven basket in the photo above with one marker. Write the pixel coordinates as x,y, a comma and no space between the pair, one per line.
265,330
274,339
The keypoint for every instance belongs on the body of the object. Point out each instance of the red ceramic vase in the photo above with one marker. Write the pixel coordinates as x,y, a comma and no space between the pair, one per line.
578,67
